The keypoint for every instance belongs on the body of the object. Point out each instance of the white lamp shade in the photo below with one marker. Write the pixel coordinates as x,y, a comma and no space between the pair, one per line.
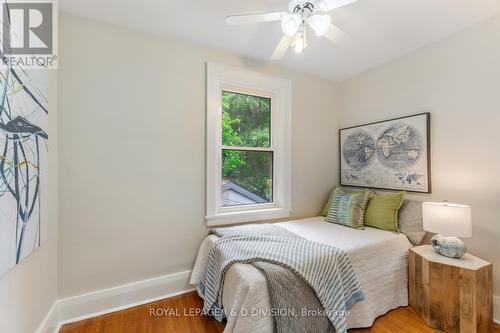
447,219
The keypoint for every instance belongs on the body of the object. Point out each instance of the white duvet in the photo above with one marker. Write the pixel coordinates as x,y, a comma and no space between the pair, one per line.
378,257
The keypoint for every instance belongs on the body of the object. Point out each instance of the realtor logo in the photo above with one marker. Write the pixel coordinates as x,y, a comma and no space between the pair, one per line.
30,28
28,33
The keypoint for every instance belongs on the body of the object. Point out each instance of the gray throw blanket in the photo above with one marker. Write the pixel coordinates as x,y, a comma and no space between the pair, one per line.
296,306
327,270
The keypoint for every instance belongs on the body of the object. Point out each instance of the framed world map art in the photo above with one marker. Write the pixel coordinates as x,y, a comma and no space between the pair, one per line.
390,155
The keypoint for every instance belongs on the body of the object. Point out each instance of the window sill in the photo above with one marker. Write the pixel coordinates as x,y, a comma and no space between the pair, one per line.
247,216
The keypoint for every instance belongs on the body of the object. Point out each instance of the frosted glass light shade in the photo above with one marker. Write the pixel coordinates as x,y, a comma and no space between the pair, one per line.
447,219
299,42
320,24
291,23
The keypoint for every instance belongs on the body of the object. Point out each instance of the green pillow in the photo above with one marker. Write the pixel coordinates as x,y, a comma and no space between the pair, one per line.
382,211
348,208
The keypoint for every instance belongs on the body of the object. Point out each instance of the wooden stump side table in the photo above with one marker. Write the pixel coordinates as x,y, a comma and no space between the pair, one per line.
452,295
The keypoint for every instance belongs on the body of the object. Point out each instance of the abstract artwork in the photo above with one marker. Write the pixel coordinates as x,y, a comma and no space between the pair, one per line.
23,163
392,154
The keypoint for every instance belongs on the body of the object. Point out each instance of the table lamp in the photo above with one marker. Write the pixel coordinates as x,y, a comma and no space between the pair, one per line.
449,221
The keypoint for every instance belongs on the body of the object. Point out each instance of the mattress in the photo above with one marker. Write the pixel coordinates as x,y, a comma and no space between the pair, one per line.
379,258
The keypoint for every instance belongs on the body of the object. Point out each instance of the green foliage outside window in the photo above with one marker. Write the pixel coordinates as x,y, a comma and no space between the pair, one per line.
246,122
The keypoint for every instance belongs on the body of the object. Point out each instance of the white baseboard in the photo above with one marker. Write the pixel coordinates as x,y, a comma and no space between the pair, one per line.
50,323
100,302
496,309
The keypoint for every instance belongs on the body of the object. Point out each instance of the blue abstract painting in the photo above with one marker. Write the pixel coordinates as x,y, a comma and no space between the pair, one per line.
23,163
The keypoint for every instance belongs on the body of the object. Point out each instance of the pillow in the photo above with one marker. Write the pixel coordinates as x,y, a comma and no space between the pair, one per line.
328,203
411,221
348,209
382,211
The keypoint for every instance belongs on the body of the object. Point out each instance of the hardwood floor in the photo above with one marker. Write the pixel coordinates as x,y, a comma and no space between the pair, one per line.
139,319
177,315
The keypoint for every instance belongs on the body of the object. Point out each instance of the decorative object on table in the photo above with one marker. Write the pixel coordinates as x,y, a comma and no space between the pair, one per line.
451,295
449,221
23,163
392,154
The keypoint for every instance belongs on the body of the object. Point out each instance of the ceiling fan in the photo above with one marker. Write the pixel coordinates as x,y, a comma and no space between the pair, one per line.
301,13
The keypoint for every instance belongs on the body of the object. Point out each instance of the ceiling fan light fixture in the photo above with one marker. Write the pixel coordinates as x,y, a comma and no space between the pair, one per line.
301,15
291,24
299,42
320,24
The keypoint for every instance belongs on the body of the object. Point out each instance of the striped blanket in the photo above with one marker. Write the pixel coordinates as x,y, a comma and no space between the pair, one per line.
326,269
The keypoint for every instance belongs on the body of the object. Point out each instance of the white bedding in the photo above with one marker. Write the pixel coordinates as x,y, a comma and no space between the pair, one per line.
378,257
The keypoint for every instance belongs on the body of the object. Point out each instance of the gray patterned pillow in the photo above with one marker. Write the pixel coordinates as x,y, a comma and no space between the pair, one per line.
411,221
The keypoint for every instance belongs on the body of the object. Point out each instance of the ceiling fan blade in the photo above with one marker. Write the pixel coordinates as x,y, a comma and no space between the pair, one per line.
328,5
254,18
282,47
336,35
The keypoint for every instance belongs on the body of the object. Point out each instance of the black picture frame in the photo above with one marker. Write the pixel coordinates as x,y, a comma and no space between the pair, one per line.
428,190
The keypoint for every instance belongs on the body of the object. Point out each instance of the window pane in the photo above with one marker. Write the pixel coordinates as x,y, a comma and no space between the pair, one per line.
246,178
246,120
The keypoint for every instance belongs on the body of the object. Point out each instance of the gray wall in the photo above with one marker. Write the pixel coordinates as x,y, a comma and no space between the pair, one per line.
457,80
132,173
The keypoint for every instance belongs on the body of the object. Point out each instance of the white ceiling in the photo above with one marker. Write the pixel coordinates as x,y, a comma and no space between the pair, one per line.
380,30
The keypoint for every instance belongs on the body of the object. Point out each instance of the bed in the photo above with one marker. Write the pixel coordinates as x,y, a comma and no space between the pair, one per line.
379,259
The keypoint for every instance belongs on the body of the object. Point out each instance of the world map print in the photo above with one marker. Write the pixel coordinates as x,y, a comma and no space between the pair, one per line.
392,154
399,147
359,150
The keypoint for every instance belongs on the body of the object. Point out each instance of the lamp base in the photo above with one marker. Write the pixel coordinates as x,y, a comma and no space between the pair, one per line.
448,246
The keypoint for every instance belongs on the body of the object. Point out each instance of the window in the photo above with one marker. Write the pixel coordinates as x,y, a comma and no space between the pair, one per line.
248,152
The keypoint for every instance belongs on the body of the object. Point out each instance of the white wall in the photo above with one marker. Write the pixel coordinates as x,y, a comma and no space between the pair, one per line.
458,81
132,129
28,291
